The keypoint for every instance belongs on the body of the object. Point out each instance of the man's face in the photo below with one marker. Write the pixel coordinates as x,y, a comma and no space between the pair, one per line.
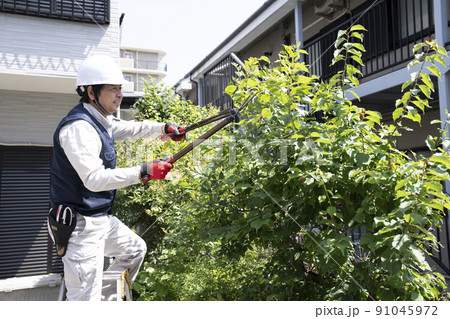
110,97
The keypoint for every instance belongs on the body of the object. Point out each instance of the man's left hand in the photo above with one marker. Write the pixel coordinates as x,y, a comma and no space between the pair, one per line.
176,132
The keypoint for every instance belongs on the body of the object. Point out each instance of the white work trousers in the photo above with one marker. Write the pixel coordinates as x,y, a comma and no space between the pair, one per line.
92,239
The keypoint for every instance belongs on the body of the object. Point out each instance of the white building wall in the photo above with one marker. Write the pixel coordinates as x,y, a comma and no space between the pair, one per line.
39,59
34,46
31,117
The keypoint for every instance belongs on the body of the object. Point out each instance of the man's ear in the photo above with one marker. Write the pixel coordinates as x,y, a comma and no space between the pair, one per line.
90,92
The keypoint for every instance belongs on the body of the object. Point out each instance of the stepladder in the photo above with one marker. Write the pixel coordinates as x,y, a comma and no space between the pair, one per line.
120,280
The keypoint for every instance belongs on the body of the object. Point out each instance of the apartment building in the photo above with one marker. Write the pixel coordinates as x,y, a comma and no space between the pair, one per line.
394,26
139,65
42,43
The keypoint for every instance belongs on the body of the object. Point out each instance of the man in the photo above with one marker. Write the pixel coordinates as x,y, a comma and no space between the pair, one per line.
84,179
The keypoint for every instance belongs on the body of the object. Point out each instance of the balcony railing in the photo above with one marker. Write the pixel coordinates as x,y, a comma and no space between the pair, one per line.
150,65
217,79
394,26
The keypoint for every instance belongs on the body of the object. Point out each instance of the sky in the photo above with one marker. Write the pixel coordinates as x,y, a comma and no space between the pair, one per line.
187,30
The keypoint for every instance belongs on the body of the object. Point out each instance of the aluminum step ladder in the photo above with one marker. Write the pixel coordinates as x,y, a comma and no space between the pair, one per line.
121,279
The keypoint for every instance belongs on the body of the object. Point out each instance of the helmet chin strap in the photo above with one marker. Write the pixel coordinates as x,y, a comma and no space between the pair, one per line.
101,108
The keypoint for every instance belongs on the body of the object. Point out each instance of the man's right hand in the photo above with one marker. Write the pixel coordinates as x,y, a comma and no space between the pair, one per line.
156,169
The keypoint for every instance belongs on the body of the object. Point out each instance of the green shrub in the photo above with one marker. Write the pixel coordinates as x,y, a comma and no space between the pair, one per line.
268,214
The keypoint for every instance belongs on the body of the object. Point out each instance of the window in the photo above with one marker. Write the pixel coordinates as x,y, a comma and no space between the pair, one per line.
91,11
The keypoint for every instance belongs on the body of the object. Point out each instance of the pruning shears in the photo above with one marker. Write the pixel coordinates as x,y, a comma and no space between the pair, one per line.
228,116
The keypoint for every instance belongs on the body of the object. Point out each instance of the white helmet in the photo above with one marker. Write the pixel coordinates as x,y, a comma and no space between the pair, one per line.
99,69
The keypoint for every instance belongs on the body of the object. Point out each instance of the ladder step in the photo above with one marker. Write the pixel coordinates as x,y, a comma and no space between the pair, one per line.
122,279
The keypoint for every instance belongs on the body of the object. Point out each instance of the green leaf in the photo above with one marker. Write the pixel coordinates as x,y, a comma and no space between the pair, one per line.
256,224
441,60
406,84
416,296
340,33
337,59
337,43
418,46
401,242
374,116
430,143
354,94
400,184
426,79
303,79
264,98
397,113
331,210
434,186
443,159
359,46
264,58
357,27
413,115
406,205
421,220
418,254
252,82
230,89
367,238
357,59
362,159
401,193
442,50
414,76
421,104
435,70
266,113
358,35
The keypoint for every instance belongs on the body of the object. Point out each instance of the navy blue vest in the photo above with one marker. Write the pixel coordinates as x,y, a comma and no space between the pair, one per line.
66,186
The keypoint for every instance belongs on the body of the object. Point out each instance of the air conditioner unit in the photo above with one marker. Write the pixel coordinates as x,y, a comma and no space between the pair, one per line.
326,8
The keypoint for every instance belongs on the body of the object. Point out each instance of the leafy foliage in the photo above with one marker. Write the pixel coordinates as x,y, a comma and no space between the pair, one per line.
142,206
309,200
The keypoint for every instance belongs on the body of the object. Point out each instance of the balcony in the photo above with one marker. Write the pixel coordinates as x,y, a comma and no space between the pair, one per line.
142,65
393,27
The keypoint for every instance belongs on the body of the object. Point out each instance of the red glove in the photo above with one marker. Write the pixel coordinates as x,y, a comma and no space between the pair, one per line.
156,169
174,131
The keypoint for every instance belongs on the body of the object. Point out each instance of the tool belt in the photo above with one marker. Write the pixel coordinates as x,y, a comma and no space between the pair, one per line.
61,222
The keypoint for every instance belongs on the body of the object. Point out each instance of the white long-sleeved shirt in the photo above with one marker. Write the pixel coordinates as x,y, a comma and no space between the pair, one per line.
82,145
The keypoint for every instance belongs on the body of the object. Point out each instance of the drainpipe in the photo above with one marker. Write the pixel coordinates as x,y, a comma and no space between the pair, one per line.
299,25
200,92
441,33
299,32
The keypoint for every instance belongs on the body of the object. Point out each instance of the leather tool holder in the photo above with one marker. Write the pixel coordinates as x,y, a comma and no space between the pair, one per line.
61,228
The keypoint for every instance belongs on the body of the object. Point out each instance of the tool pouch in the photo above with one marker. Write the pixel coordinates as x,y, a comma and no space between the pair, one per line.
61,223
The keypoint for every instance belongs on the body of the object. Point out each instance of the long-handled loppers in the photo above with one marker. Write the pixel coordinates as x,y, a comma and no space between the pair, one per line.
229,116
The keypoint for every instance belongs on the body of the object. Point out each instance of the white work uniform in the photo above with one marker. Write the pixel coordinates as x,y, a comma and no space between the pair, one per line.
96,237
